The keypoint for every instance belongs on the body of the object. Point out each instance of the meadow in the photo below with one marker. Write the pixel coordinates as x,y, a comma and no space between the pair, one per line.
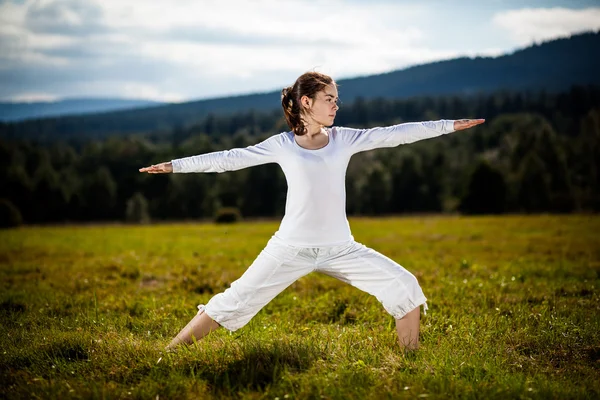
514,312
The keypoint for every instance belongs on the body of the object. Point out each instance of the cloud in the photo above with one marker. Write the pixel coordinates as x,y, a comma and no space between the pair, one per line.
198,48
150,92
529,25
33,97
65,17
218,36
188,49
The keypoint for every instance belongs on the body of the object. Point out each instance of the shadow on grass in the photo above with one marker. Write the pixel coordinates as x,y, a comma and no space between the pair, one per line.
16,364
256,366
10,306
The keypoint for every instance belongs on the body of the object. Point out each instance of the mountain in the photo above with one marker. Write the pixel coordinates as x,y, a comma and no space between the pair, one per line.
552,66
27,110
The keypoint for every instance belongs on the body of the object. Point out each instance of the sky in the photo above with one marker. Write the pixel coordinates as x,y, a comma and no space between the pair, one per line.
181,50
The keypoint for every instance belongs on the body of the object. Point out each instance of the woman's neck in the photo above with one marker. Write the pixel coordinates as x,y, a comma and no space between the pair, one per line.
313,129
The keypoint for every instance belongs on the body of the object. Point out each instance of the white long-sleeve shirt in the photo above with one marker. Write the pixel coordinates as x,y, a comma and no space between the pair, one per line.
315,211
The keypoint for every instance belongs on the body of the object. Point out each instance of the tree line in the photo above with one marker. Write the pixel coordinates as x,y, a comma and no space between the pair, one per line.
537,152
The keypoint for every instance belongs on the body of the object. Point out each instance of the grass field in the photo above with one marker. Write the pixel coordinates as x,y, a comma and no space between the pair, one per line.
514,312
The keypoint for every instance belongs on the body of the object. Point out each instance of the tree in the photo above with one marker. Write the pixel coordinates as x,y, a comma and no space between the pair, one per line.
376,191
486,191
100,193
264,191
586,160
527,135
353,200
71,188
360,111
137,209
18,189
179,135
407,185
10,216
534,187
62,156
51,199
189,196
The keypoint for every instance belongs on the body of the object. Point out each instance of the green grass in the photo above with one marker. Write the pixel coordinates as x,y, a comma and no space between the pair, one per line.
514,312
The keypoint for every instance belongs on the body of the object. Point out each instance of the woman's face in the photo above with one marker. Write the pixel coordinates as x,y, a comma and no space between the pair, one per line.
323,107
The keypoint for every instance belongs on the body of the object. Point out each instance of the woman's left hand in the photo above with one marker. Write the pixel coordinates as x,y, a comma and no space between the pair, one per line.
461,124
162,168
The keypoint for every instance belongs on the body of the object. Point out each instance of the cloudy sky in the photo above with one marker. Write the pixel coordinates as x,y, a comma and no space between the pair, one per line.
182,50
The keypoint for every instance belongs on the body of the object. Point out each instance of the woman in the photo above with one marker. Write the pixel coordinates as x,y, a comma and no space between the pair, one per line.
314,234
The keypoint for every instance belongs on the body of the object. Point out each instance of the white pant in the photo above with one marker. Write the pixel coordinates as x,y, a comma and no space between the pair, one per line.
279,265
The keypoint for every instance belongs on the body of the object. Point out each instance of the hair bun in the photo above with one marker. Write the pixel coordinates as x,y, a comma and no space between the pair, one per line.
286,97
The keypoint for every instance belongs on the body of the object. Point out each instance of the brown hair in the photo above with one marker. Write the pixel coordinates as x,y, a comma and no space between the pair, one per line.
308,84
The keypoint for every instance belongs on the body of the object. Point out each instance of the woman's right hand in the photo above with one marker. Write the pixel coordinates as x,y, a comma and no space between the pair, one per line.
461,124
162,168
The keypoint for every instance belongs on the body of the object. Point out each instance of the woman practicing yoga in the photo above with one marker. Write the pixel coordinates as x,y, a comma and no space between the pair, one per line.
314,234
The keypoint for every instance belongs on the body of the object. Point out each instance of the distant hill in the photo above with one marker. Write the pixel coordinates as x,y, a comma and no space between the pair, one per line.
39,109
552,66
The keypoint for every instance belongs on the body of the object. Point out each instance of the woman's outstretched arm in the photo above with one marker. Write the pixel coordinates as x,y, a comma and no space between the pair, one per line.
221,161
392,136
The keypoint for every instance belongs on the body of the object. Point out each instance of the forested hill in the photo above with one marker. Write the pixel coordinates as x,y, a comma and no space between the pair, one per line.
19,111
551,66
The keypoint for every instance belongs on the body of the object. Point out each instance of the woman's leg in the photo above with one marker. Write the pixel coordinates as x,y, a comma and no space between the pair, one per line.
275,268
407,329
200,326
395,287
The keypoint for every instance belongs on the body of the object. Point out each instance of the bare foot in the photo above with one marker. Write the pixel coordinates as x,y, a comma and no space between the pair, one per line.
200,326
